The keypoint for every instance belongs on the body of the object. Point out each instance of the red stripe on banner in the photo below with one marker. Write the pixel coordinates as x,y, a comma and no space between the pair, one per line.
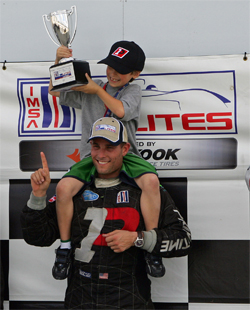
56,112
151,122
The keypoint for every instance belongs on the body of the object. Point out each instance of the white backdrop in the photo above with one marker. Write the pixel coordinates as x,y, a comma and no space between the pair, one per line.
194,124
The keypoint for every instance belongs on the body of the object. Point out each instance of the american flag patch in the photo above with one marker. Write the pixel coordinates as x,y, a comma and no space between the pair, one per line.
122,197
52,199
103,275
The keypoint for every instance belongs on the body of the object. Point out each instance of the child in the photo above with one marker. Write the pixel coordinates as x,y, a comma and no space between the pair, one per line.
122,100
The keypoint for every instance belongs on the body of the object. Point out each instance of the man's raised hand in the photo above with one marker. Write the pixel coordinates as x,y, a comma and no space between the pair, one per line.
40,179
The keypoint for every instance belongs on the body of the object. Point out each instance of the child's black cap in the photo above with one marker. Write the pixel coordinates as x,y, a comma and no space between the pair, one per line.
125,57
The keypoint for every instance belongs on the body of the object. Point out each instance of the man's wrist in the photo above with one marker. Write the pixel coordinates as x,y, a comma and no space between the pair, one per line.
139,241
39,193
134,236
36,203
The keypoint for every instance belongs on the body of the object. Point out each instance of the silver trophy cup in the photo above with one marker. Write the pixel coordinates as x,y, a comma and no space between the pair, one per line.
61,28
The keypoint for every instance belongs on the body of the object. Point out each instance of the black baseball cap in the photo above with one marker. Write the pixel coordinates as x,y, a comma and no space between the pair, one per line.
125,57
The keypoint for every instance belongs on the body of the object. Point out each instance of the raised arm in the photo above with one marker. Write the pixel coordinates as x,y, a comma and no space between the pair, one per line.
62,52
40,179
38,221
115,105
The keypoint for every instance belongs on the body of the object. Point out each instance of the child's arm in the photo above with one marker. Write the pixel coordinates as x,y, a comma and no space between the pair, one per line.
115,105
53,93
62,52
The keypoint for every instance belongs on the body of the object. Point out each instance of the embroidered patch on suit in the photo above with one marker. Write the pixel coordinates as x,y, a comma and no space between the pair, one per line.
90,196
52,199
103,276
84,273
122,197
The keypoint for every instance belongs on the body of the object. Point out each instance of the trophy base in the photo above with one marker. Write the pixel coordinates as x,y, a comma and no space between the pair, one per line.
71,73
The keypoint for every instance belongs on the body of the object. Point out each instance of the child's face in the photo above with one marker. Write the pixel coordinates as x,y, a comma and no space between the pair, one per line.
116,79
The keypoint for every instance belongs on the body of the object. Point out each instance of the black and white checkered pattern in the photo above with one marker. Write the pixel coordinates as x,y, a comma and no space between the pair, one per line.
214,276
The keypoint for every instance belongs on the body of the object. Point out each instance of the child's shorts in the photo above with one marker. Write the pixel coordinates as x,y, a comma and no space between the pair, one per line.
133,167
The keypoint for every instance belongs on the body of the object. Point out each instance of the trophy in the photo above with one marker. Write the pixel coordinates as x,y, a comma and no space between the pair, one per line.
61,28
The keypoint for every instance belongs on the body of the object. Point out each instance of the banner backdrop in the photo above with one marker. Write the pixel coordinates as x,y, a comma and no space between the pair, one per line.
194,128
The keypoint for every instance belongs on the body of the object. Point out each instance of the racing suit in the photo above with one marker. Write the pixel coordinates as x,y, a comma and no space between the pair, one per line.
99,277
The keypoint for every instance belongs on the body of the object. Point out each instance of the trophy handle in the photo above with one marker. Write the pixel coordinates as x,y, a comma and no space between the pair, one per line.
45,17
73,8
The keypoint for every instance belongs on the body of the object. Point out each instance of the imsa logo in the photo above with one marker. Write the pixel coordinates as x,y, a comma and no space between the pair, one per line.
40,113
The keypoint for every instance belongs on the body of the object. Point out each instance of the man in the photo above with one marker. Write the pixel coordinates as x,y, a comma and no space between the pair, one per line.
109,241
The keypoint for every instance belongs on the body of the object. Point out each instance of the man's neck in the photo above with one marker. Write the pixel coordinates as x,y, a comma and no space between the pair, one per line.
101,183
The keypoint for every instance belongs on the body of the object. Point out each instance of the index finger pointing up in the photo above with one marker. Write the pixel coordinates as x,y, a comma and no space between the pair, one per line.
44,161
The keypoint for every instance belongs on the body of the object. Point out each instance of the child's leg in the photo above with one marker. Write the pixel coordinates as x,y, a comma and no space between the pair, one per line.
150,207
66,189
150,199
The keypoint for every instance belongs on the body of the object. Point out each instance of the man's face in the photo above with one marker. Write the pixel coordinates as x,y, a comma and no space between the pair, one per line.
107,158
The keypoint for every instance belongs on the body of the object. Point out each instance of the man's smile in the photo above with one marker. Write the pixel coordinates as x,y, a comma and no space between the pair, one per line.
102,162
